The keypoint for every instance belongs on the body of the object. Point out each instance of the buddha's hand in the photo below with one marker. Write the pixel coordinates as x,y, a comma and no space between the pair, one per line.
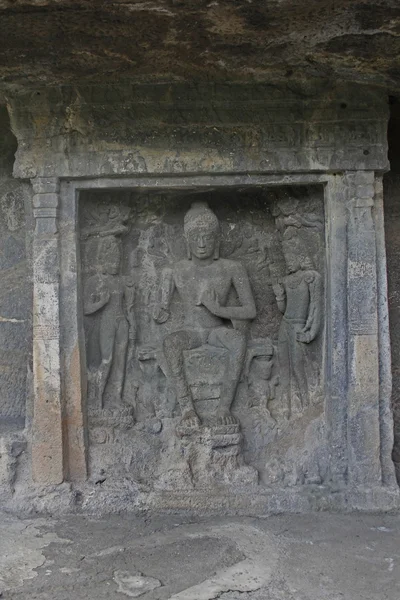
209,299
160,314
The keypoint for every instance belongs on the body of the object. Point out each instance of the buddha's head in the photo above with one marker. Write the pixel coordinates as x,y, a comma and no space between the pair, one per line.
202,232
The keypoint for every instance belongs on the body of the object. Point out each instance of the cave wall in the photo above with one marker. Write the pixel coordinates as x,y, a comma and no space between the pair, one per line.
392,228
194,137
15,289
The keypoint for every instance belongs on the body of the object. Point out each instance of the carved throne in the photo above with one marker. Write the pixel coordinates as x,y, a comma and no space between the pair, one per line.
205,364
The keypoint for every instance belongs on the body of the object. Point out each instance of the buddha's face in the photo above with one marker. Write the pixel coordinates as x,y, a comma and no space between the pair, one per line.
202,242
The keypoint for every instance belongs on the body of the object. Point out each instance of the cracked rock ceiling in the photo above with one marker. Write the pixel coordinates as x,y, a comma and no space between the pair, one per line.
70,41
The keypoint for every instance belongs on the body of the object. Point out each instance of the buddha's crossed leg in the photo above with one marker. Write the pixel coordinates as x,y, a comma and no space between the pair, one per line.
235,342
175,344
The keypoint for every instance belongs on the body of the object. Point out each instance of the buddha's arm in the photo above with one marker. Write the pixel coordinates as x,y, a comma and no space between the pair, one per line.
247,310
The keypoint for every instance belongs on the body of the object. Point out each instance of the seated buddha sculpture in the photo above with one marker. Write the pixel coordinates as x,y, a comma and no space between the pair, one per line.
204,282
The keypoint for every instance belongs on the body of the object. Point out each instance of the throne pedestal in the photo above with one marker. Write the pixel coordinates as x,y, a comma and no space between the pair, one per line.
212,454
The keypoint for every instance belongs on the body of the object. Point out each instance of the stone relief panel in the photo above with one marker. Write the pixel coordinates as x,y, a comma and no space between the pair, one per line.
203,321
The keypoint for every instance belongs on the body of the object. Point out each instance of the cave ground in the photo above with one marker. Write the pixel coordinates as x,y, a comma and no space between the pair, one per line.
158,557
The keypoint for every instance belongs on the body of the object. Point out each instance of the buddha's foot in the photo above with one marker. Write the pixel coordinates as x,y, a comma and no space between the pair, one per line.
190,420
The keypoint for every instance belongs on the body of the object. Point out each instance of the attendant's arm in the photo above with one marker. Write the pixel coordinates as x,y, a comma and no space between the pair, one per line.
280,296
96,296
313,323
166,291
129,293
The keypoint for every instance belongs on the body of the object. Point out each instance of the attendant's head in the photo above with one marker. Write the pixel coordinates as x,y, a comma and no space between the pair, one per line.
110,255
295,253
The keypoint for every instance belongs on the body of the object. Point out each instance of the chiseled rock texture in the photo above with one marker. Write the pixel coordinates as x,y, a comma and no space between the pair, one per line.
392,224
172,557
15,310
15,296
70,40
95,89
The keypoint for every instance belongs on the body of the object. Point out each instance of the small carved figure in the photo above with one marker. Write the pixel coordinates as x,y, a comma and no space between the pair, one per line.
287,215
113,295
105,220
204,282
299,298
259,371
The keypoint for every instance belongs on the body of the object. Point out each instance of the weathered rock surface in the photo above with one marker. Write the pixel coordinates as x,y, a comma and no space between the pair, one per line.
136,95
15,298
67,40
318,557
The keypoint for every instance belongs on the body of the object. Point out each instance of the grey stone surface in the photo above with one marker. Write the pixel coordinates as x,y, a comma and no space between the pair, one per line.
47,442
392,221
15,291
206,128
182,310
188,40
234,360
175,557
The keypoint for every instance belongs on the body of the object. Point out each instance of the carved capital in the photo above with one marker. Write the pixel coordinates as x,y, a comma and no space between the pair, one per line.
361,270
45,204
361,212
367,202
45,185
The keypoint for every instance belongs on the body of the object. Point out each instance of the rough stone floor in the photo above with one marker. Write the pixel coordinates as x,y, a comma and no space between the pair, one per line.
311,557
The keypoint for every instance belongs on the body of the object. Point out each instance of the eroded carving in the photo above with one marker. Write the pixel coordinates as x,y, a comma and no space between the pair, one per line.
286,213
204,336
111,295
298,296
259,372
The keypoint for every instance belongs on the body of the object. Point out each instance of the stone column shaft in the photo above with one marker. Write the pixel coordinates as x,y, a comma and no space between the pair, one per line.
47,437
385,361
336,375
363,395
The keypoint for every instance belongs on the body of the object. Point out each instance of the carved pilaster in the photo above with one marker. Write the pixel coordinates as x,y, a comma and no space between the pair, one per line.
336,329
385,366
47,440
363,397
